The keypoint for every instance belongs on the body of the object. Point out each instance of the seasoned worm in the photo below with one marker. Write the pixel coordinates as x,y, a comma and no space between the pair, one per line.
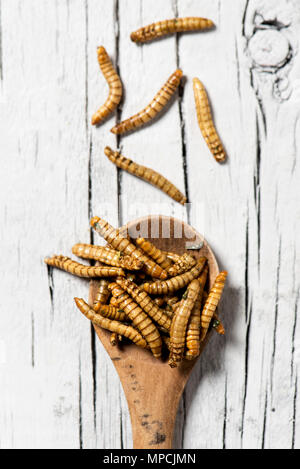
145,302
157,255
103,292
139,319
217,325
172,256
205,122
171,300
107,256
114,339
122,244
159,301
153,109
193,328
165,27
113,302
147,174
115,87
175,283
211,303
185,263
180,322
110,312
113,326
73,267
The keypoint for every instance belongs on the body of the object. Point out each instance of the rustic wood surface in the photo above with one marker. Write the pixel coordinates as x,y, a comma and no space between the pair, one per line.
59,388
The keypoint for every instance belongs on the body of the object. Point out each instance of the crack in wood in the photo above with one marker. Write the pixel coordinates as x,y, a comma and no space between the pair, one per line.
248,329
181,117
276,316
295,412
32,340
264,422
51,289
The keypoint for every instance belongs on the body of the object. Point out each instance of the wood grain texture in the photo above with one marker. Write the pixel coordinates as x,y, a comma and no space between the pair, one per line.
53,171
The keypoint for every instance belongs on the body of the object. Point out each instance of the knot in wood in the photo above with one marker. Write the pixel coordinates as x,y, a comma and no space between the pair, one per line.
269,49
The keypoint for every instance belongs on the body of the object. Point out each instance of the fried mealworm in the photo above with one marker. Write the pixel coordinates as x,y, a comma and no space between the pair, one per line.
103,292
115,87
114,339
139,319
212,303
145,302
159,301
180,322
205,122
165,27
217,325
113,302
73,267
157,255
175,283
153,109
107,256
147,174
185,263
172,256
193,328
113,326
171,300
122,244
110,312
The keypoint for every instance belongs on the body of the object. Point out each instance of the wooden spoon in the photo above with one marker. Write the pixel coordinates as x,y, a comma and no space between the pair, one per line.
152,388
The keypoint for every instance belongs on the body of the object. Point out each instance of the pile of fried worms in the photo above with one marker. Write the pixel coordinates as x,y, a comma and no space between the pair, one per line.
156,299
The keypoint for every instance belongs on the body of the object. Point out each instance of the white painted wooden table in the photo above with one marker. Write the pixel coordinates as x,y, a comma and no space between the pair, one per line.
58,388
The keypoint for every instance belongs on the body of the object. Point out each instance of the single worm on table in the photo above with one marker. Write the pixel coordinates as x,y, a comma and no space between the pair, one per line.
193,328
115,87
110,312
185,263
145,302
180,322
139,319
107,256
175,283
157,255
102,293
153,109
73,267
120,243
212,303
113,326
147,174
205,122
165,27
217,323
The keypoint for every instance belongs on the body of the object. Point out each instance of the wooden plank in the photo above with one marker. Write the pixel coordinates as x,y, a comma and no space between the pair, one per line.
45,140
102,27
144,69
244,391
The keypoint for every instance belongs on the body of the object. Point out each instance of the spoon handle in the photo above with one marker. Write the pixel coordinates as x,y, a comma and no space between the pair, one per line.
153,394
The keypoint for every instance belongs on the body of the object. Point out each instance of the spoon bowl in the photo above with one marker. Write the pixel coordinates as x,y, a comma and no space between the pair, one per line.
152,388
